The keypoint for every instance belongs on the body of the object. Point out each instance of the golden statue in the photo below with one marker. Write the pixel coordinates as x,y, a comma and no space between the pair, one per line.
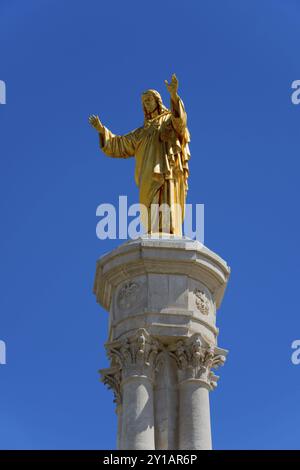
161,153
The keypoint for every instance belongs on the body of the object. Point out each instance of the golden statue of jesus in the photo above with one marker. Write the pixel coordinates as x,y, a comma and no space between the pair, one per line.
161,153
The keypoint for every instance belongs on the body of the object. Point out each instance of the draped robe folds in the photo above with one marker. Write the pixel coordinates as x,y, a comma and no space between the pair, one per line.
161,155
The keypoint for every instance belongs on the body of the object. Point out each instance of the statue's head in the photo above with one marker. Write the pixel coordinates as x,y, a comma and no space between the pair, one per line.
152,101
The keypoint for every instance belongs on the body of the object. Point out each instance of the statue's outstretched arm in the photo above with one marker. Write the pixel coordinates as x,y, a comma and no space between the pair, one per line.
117,146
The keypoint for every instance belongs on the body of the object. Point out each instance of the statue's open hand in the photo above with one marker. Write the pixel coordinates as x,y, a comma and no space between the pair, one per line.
172,86
96,123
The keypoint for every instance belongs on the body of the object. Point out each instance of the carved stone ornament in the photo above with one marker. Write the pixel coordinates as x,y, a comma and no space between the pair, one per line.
130,294
202,302
195,359
112,379
131,356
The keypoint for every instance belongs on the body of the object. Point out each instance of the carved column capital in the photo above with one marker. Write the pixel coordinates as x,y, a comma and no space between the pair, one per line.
196,358
132,356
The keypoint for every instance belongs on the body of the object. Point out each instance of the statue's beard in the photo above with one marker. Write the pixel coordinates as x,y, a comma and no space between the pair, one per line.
152,114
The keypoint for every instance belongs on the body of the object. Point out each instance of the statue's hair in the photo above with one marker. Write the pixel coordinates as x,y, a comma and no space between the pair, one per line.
161,107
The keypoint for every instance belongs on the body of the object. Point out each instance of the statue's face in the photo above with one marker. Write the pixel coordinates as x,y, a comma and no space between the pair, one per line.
149,102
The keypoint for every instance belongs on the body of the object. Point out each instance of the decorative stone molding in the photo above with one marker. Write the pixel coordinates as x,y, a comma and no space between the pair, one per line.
202,302
130,356
112,379
195,359
130,294
170,256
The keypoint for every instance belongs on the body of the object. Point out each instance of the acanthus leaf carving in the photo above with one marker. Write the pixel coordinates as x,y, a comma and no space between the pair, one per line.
202,302
133,355
195,359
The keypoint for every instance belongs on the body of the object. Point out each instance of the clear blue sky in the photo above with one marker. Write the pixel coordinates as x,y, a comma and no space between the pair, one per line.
61,61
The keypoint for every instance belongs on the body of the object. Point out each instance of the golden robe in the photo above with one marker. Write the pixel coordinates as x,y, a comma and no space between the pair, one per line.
161,154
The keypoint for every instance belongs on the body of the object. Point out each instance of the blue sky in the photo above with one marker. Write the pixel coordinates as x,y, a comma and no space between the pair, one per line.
62,61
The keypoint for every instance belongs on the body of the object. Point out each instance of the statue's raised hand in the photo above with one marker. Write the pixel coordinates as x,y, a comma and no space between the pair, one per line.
172,86
96,123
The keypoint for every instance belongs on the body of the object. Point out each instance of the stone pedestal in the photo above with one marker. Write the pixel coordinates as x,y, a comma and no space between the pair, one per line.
162,295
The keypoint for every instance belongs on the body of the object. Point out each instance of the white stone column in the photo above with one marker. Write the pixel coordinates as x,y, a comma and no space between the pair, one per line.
194,416
195,358
166,403
138,413
119,412
131,376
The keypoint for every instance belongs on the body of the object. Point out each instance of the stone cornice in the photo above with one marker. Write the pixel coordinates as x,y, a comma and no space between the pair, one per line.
145,255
